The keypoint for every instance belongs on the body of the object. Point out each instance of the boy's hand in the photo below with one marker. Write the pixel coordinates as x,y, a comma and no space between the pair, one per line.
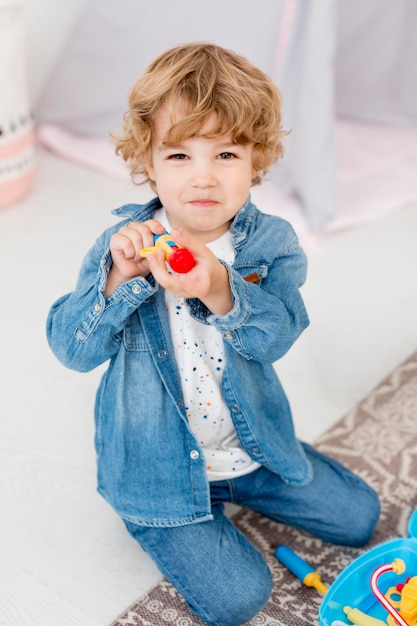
208,280
125,246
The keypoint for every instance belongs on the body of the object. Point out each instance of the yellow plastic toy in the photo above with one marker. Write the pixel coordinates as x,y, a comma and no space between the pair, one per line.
406,604
360,618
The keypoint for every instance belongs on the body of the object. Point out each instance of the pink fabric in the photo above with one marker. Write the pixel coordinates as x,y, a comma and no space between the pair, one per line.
96,154
285,34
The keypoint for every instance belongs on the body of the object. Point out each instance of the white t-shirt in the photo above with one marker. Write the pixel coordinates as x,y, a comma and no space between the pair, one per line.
201,359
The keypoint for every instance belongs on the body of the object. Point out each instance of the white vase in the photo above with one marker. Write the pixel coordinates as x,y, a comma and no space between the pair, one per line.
17,152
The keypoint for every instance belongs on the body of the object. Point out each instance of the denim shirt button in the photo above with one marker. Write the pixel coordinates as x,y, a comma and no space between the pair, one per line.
235,408
162,354
228,335
194,454
97,308
136,288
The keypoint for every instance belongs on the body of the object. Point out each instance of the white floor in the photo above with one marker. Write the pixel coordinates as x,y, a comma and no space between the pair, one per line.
65,558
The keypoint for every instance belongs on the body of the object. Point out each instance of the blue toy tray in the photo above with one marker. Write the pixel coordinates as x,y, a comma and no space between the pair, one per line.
352,586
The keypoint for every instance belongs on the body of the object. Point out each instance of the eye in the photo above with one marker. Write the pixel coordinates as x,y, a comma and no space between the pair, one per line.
177,157
226,156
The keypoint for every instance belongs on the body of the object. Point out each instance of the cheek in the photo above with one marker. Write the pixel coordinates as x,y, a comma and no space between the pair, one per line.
169,186
245,177
166,179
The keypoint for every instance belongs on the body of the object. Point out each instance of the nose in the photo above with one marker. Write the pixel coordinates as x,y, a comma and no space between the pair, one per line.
202,176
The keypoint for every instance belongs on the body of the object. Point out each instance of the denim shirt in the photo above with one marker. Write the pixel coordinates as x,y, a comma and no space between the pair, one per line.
150,466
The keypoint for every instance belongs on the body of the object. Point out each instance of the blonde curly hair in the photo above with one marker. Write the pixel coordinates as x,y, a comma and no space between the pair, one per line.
193,81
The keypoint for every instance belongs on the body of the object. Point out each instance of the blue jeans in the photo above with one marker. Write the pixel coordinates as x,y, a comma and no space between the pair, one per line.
222,576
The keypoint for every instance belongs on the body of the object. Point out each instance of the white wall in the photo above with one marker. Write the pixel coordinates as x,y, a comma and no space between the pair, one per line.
48,24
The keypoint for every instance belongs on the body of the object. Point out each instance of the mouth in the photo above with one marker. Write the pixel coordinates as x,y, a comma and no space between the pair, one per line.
203,202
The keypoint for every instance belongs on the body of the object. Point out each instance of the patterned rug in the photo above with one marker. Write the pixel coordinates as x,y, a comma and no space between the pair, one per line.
378,440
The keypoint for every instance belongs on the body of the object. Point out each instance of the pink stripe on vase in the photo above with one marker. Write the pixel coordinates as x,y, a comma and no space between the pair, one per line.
17,166
20,143
15,189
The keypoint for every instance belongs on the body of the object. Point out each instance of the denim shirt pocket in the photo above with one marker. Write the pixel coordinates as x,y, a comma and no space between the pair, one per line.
252,271
133,335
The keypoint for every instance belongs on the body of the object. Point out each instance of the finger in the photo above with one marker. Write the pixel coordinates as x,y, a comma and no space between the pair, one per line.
130,241
140,235
158,267
186,240
148,229
156,227
122,243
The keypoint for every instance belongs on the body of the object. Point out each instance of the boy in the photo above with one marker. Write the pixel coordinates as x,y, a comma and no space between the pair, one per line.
190,413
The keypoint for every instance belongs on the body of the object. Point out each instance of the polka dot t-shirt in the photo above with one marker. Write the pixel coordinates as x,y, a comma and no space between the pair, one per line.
201,358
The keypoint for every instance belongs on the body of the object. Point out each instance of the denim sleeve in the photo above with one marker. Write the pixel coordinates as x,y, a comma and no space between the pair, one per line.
84,329
267,317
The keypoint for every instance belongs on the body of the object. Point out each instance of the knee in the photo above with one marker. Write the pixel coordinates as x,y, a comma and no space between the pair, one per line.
239,603
358,518
364,518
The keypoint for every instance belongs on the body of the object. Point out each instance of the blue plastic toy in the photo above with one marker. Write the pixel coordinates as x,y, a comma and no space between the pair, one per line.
355,597
300,568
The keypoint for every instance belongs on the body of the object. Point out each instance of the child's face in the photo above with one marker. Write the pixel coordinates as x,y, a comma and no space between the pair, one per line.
202,183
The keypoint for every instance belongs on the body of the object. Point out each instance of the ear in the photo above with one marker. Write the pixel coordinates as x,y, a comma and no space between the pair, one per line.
146,158
149,169
256,178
